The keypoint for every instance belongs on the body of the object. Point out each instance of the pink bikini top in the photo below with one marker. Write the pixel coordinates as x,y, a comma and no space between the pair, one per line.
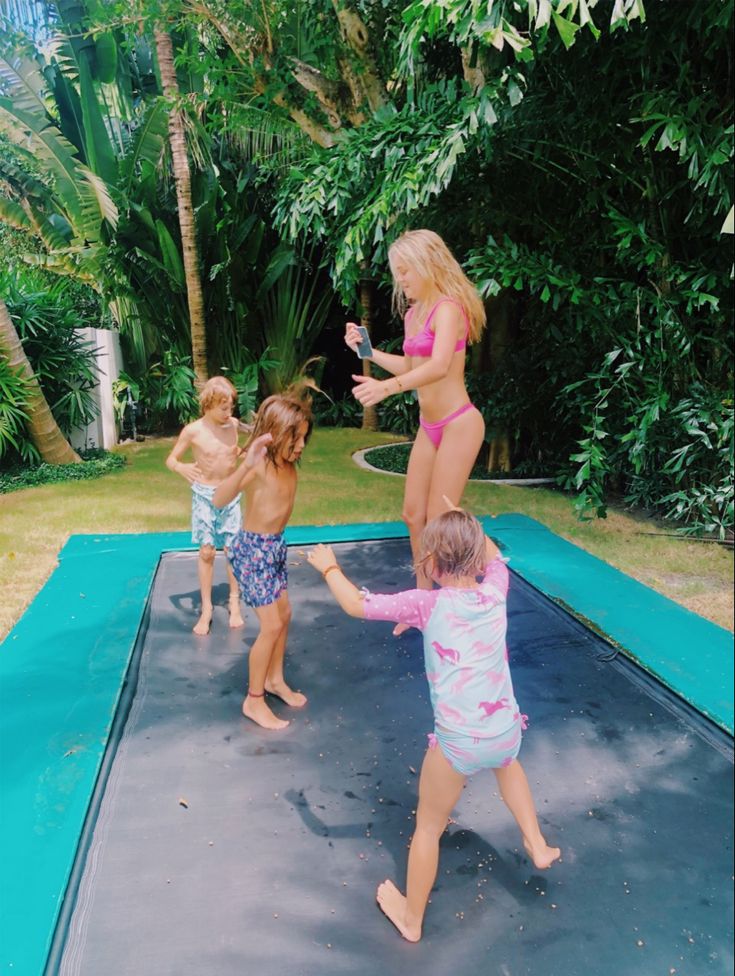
422,343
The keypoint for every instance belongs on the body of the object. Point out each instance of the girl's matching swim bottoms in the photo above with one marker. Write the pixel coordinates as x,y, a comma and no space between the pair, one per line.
468,754
260,567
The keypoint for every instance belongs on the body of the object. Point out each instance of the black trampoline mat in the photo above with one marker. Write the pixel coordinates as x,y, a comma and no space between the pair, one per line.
223,849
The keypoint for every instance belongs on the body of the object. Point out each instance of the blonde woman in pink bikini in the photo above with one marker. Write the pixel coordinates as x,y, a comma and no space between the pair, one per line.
442,314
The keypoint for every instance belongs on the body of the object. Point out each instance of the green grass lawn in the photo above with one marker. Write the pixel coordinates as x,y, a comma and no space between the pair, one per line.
146,497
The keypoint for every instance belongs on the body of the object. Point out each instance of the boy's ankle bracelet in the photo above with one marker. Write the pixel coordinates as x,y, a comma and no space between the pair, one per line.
251,694
329,569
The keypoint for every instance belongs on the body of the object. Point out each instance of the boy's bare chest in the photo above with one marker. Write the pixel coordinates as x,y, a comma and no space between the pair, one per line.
280,485
217,443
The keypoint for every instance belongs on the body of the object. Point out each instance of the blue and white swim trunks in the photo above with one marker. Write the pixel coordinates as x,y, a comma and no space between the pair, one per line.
211,526
260,564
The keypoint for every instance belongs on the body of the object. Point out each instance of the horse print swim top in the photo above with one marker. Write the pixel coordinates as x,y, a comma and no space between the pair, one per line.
465,652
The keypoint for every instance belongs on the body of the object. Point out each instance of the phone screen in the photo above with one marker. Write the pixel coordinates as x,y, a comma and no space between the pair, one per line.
365,349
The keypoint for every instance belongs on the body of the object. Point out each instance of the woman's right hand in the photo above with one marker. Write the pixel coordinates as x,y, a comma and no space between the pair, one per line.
352,336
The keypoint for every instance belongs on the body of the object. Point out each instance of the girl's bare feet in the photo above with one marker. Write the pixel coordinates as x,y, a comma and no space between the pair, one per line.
201,627
257,711
281,690
393,905
236,619
400,629
541,854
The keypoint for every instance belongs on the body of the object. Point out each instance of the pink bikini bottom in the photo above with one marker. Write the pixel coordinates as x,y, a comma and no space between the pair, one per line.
434,431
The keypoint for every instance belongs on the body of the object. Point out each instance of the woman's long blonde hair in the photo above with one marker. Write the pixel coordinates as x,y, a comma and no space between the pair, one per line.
429,255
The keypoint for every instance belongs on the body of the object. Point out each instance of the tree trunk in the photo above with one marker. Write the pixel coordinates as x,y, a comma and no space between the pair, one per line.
182,178
367,288
43,429
499,335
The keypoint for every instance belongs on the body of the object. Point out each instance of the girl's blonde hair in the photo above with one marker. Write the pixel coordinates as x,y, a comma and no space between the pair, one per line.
281,415
217,388
427,253
455,543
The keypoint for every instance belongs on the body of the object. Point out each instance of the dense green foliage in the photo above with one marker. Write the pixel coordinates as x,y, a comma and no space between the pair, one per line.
46,319
596,227
593,225
96,463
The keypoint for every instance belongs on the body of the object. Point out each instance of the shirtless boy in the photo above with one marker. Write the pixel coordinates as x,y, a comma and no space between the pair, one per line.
258,552
213,442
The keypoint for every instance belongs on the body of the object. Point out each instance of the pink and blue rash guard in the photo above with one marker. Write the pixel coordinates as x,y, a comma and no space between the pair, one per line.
464,650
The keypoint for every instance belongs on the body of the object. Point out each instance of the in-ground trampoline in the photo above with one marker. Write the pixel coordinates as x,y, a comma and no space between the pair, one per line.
161,833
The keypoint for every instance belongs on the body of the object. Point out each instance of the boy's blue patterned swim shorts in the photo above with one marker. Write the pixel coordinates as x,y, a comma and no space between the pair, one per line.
211,526
259,564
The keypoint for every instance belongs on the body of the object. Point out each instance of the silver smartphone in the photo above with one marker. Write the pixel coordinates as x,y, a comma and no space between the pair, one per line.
365,349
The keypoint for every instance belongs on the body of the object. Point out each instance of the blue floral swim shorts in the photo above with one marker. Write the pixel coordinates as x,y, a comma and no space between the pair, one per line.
259,563
211,526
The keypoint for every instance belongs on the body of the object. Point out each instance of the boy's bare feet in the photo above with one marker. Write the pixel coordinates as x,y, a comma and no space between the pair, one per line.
393,905
541,854
201,627
257,711
236,618
281,690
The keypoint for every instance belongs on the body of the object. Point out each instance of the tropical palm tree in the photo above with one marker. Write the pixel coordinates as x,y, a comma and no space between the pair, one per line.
43,429
182,177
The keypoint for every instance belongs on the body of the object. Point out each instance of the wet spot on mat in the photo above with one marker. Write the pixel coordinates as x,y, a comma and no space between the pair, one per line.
598,814
610,734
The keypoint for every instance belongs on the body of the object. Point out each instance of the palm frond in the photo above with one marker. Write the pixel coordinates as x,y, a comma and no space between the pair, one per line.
97,202
148,144
14,215
22,80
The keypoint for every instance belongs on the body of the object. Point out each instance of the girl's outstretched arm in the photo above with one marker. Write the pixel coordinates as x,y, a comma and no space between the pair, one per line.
234,483
345,593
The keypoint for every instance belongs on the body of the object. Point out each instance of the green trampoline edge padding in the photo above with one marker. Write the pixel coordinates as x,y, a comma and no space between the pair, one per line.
63,666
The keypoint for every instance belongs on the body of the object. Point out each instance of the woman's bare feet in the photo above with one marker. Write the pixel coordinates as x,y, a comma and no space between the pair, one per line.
201,627
281,690
257,711
393,905
541,854
236,618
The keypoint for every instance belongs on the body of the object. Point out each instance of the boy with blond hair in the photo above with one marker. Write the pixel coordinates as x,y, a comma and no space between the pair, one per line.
213,442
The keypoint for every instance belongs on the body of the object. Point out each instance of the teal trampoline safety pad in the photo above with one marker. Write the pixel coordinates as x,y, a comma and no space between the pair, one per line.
689,654
63,667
